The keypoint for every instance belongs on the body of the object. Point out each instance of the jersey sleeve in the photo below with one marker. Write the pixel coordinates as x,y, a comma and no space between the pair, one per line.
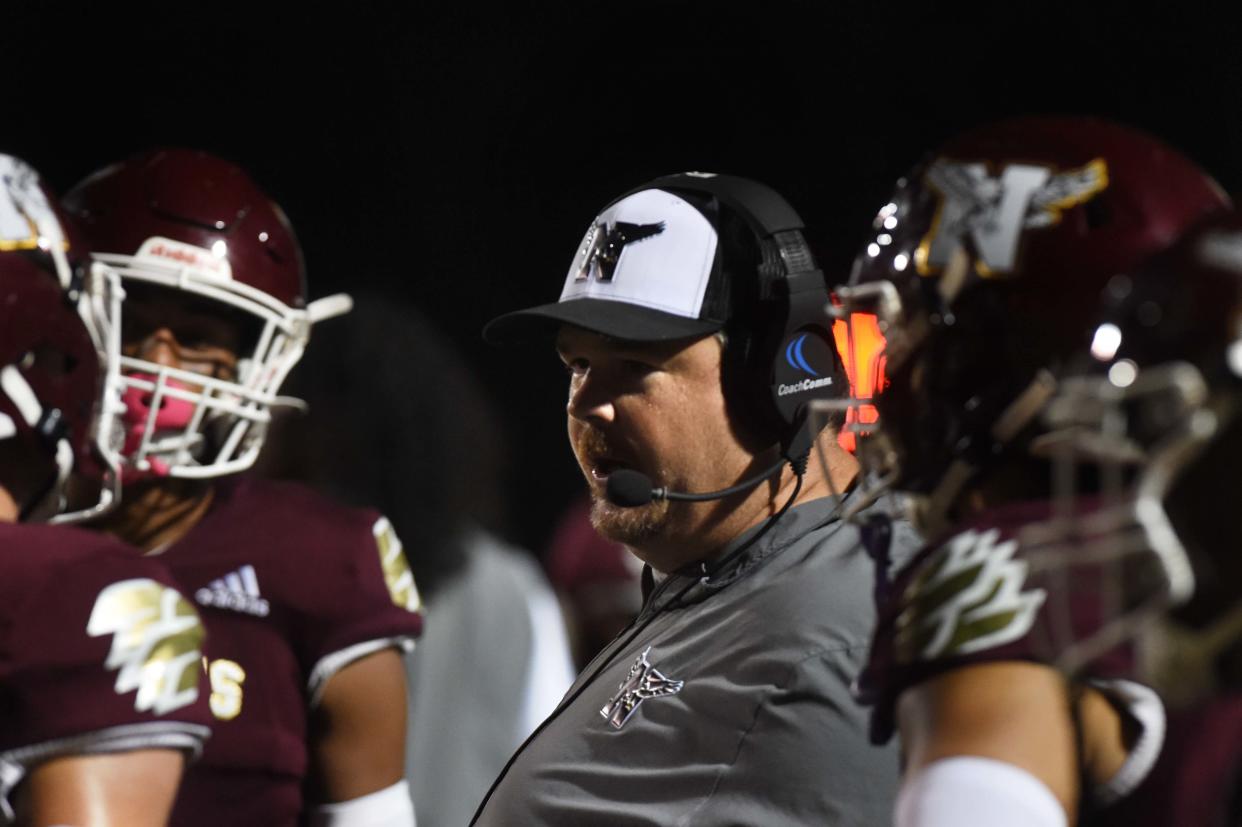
101,655
976,598
366,598
891,667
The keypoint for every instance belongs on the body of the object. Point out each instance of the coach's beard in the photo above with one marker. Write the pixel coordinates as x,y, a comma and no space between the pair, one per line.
631,526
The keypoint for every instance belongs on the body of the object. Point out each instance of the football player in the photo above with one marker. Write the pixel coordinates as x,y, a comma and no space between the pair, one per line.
99,655
1003,668
309,604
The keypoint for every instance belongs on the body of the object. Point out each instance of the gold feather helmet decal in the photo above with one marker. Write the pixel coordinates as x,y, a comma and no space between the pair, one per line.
157,641
397,574
994,212
27,221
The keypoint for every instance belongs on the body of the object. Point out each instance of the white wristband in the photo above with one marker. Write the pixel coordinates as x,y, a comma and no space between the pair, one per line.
389,807
976,792
1145,706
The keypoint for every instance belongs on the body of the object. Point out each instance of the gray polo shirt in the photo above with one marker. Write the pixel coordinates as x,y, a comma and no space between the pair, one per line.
728,701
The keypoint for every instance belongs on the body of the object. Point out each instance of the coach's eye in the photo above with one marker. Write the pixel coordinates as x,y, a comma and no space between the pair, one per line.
576,367
635,367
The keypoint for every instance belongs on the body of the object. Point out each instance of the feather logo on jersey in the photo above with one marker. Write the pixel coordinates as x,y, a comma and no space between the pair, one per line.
644,681
968,598
156,643
994,212
396,568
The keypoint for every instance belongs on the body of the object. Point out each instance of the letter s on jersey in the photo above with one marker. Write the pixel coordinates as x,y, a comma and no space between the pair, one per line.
227,678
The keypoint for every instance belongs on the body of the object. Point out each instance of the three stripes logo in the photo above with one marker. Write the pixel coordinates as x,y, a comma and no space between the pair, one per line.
237,591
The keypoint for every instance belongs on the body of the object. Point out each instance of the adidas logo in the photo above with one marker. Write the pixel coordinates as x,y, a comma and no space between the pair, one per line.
237,591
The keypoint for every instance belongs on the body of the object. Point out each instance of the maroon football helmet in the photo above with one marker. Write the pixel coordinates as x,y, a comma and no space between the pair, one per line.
188,221
54,356
985,268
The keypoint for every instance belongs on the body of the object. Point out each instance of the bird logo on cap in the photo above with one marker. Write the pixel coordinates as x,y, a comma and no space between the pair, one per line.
604,244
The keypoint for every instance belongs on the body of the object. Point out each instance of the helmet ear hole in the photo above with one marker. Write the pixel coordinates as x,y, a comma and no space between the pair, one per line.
1097,213
52,361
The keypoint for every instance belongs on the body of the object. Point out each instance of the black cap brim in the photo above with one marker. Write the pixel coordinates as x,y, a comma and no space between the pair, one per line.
619,320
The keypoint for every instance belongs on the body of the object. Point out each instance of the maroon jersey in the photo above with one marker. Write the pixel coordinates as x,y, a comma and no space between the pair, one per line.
292,587
98,651
1005,586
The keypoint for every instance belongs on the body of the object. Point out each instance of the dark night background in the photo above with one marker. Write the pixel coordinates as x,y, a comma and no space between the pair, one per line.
453,153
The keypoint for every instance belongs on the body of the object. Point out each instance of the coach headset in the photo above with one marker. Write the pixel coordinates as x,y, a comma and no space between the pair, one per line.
791,348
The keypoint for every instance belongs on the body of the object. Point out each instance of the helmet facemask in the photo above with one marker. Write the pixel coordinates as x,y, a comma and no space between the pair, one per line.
861,319
1117,445
189,424
96,488
1148,416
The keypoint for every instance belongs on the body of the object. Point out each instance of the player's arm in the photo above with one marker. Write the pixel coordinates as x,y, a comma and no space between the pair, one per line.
989,743
134,789
357,744
1009,724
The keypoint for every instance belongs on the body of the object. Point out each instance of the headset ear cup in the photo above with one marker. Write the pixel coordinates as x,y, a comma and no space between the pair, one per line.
779,335
804,367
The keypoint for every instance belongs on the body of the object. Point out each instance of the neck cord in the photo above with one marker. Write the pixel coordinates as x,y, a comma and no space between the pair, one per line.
637,628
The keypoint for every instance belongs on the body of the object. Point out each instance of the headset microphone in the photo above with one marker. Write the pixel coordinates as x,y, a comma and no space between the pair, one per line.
628,488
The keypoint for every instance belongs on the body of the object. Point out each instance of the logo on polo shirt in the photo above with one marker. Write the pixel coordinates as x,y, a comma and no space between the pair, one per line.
604,244
643,682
